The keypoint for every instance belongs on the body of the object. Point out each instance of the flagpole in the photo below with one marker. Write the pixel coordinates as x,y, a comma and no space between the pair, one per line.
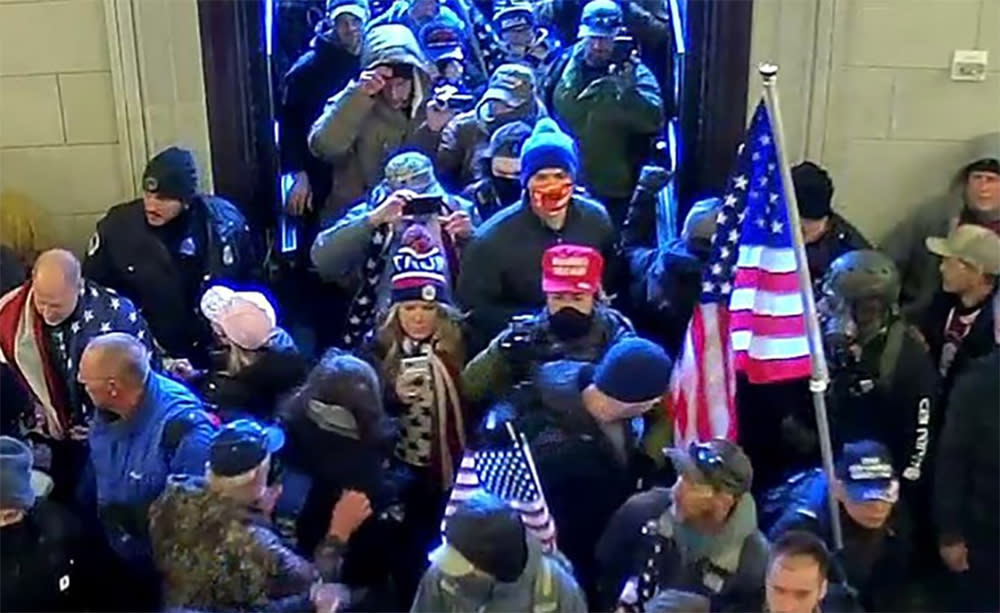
820,377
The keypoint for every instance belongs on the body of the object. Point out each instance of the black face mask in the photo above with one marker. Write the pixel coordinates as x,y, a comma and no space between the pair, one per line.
508,190
567,323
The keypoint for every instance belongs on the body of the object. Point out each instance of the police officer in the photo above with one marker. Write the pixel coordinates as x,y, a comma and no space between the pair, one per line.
164,249
883,380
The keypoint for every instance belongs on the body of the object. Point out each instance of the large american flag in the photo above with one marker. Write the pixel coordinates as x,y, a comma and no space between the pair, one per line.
508,474
750,316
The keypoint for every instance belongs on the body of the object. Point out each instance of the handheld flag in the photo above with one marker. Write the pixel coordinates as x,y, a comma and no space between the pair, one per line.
750,315
509,474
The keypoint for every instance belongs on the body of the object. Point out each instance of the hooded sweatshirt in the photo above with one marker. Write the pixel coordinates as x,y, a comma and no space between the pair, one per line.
918,267
439,592
357,133
466,138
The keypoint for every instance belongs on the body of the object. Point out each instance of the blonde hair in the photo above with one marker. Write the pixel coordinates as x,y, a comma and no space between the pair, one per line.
449,343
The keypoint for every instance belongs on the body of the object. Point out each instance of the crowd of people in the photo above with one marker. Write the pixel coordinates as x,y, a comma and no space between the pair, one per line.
476,274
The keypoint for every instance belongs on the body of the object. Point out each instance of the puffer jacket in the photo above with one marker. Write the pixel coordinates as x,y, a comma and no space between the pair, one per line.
439,593
357,134
465,139
496,369
256,390
918,267
216,554
874,562
608,115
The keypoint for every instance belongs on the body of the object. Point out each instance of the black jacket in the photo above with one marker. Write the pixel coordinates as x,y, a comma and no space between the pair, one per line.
257,389
976,344
967,494
874,562
40,561
584,477
501,272
318,74
127,256
899,409
841,237
644,542
331,463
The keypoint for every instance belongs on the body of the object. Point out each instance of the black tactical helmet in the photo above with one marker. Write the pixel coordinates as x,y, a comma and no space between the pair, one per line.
861,274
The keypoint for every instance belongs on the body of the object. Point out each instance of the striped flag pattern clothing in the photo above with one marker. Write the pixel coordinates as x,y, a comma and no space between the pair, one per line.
506,473
750,316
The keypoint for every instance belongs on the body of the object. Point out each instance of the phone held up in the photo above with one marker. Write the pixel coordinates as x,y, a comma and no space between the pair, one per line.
420,206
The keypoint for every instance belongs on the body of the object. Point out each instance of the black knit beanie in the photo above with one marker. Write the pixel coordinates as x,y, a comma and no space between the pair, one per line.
490,535
813,190
173,174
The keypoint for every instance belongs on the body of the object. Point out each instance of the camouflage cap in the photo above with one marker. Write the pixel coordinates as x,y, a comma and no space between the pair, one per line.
414,171
512,84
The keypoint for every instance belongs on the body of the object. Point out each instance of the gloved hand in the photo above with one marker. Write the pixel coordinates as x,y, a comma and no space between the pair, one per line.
654,178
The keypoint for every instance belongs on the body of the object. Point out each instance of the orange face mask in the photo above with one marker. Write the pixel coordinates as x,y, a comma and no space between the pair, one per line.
551,197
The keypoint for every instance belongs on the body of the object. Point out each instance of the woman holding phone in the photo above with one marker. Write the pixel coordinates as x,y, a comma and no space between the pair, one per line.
419,352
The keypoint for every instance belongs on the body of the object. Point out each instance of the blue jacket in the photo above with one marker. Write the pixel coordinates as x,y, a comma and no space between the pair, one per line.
169,433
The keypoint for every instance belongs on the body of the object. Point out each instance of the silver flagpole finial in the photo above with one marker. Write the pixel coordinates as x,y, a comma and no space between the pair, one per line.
768,70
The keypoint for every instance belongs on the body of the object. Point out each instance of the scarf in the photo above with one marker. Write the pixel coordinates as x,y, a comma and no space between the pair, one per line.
445,408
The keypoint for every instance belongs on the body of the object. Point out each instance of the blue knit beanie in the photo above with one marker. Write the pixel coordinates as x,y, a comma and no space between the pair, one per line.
634,370
548,147
15,474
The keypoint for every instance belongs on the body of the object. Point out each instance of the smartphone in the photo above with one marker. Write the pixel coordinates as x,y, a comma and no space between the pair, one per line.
420,365
624,49
423,205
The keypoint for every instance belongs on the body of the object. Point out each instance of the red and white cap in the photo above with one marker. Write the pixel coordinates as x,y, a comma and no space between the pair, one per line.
572,268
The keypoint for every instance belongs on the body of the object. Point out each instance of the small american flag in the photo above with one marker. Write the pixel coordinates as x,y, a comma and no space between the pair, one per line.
750,316
508,474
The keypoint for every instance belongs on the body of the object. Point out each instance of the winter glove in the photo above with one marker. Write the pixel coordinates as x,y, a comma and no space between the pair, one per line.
654,178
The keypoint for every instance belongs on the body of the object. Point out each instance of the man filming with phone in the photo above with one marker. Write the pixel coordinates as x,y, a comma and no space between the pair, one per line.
358,252
381,111
611,103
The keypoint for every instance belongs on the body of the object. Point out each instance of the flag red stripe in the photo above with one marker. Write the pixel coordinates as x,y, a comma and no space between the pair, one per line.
701,394
764,371
764,281
768,325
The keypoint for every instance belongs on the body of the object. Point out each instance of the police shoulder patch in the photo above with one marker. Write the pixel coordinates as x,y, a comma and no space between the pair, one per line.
94,244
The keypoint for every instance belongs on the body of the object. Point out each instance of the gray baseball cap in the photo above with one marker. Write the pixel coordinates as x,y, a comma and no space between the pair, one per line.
719,462
970,243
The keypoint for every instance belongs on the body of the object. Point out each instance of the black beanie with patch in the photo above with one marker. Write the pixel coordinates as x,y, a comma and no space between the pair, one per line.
173,174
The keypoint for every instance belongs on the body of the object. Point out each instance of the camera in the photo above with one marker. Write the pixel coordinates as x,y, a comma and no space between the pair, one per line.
522,334
451,98
625,50
423,205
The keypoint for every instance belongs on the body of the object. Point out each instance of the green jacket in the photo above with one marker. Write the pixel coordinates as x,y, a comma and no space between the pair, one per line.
494,371
606,115
357,134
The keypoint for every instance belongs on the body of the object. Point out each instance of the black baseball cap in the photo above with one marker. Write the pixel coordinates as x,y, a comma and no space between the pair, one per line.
719,462
241,445
865,468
